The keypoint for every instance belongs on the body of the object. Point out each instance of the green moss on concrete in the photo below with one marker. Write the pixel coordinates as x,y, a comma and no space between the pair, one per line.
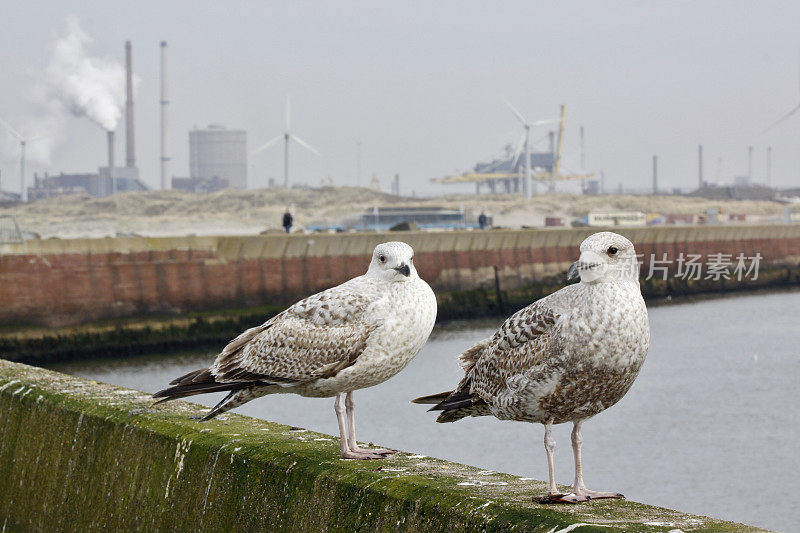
80,455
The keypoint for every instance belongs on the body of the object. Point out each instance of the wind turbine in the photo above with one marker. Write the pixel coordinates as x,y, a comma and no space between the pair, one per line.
23,141
784,117
287,136
524,144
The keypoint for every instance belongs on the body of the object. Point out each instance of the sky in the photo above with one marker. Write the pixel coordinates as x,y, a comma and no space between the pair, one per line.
421,85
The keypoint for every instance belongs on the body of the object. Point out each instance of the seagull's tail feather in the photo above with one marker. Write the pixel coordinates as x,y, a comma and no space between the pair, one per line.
199,381
456,400
433,398
455,405
478,409
234,399
182,391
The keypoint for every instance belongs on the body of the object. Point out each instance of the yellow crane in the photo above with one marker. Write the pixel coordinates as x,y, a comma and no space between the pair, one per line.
492,178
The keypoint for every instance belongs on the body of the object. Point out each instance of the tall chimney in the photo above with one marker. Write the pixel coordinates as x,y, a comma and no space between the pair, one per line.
655,174
164,106
111,162
699,166
130,152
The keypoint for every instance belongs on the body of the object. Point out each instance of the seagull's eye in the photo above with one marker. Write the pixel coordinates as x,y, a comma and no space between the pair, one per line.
411,260
382,258
613,250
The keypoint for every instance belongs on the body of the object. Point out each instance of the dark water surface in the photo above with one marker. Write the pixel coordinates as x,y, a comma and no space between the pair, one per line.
710,426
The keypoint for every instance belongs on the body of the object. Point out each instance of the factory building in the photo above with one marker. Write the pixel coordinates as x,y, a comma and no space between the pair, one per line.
217,152
98,184
423,217
109,179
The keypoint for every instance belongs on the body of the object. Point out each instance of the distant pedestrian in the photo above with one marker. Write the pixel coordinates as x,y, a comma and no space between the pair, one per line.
483,220
288,219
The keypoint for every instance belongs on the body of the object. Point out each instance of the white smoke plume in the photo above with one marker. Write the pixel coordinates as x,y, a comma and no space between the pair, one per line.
87,86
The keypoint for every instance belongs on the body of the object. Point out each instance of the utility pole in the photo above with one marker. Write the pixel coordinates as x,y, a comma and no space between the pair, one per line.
165,159
699,166
527,183
22,191
655,174
358,163
583,162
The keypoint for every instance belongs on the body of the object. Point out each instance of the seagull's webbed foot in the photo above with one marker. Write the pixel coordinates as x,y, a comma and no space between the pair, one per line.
595,495
562,498
361,454
377,451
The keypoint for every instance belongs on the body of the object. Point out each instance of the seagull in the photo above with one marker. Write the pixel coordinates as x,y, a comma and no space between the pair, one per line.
352,336
564,358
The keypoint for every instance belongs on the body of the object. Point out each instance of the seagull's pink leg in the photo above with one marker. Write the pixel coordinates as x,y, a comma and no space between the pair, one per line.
553,495
347,452
351,430
579,489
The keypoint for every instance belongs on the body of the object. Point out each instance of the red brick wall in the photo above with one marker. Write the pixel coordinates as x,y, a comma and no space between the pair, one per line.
64,288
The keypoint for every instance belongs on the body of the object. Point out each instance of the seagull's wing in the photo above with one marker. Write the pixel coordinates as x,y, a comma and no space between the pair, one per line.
315,338
520,343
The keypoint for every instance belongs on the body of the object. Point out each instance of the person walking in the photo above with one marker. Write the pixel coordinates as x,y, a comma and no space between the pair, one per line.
482,220
288,219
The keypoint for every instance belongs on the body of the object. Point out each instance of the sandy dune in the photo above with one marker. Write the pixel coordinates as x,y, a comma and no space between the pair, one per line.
253,211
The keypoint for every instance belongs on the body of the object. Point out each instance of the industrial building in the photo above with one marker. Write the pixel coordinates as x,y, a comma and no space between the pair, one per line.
109,179
424,217
217,152
96,184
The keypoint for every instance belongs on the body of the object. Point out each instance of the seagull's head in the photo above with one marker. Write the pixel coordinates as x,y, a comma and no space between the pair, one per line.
392,261
605,256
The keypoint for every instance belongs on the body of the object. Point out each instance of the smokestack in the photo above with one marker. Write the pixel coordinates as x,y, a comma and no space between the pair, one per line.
111,162
130,152
655,174
164,106
699,166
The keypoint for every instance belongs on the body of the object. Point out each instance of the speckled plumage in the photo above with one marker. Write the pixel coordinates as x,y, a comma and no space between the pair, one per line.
566,357
352,336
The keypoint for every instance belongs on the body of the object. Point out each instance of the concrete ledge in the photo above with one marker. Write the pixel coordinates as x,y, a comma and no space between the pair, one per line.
80,455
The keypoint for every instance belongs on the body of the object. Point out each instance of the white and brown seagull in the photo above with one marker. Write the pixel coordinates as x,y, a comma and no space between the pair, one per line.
564,358
352,336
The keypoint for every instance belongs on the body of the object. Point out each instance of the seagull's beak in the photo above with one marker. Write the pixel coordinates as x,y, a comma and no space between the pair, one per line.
403,269
589,267
573,271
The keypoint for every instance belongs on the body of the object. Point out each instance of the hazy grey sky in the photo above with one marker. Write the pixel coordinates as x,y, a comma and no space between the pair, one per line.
421,84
